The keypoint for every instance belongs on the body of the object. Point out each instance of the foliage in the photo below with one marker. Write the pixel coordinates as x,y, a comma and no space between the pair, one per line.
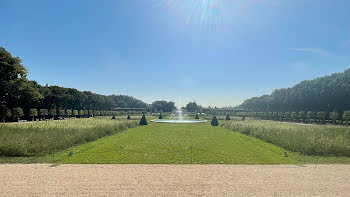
346,116
17,113
193,107
197,117
163,106
69,112
128,118
48,137
227,117
214,121
143,120
160,116
332,93
33,113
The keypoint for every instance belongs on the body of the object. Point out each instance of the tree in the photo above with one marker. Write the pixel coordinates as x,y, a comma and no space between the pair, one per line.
53,113
332,92
214,121
228,117
69,113
163,106
75,113
128,118
294,116
197,117
346,116
81,113
8,113
160,115
15,89
334,116
192,107
17,113
302,116
321,115
310,115
287,115
33,113
61,113
143,120
44,113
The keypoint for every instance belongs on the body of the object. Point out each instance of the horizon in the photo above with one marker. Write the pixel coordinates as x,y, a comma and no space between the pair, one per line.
215,53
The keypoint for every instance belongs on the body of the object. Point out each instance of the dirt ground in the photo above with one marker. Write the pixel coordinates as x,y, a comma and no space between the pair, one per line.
174,180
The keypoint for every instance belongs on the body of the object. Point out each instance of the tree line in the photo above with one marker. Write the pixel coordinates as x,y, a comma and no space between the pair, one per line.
328,94
20,97
320,117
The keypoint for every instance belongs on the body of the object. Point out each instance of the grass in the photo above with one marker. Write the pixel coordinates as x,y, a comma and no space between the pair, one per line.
322,140
183,144
40,138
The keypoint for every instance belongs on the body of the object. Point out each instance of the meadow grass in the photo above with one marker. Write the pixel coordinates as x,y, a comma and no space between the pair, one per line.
161,143
39,138
308,139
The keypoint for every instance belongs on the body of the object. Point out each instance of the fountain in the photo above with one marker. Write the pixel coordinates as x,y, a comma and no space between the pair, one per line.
179,119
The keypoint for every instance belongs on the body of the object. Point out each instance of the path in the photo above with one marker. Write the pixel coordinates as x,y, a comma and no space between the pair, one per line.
174,180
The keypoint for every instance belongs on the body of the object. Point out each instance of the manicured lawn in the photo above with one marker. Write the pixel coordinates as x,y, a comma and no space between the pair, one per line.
160,143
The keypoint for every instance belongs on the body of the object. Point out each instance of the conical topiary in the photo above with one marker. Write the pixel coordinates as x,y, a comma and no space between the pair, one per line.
214,121
143,120
160,115
113,117
128,118
228,117
197,117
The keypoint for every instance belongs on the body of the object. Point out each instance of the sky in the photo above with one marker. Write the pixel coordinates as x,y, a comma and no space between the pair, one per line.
214,52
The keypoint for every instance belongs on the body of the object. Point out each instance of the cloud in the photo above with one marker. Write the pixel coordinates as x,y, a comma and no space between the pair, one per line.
318,51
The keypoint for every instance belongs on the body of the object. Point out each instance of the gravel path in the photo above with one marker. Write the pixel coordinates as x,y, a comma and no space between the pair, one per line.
174,180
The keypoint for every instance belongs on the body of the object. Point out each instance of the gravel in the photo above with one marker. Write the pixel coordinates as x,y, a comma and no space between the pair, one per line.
174,180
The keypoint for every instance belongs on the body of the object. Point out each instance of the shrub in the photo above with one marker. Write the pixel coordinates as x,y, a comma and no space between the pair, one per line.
128,118
214,121
160,115
143,120
113,117
228,117
197,117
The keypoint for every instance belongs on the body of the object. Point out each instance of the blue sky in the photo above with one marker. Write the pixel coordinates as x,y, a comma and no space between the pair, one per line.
216,52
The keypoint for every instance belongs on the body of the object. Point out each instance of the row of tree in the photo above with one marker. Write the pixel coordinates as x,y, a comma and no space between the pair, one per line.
301,116
17,113
328,93
18,94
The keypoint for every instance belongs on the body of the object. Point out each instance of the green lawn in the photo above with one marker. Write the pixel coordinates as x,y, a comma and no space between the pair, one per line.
160,143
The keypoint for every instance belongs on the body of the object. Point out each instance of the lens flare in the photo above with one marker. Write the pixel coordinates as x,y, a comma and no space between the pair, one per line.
205,13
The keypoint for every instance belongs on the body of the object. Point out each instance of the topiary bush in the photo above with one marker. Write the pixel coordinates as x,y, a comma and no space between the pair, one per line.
214,121
113,117
197,117
128,118
160,116
143,120
228,117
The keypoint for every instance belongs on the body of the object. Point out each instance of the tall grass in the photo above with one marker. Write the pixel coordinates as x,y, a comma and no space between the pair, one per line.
38,138
325,140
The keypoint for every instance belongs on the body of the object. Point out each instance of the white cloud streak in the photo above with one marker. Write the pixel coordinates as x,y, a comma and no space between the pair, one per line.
318,51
